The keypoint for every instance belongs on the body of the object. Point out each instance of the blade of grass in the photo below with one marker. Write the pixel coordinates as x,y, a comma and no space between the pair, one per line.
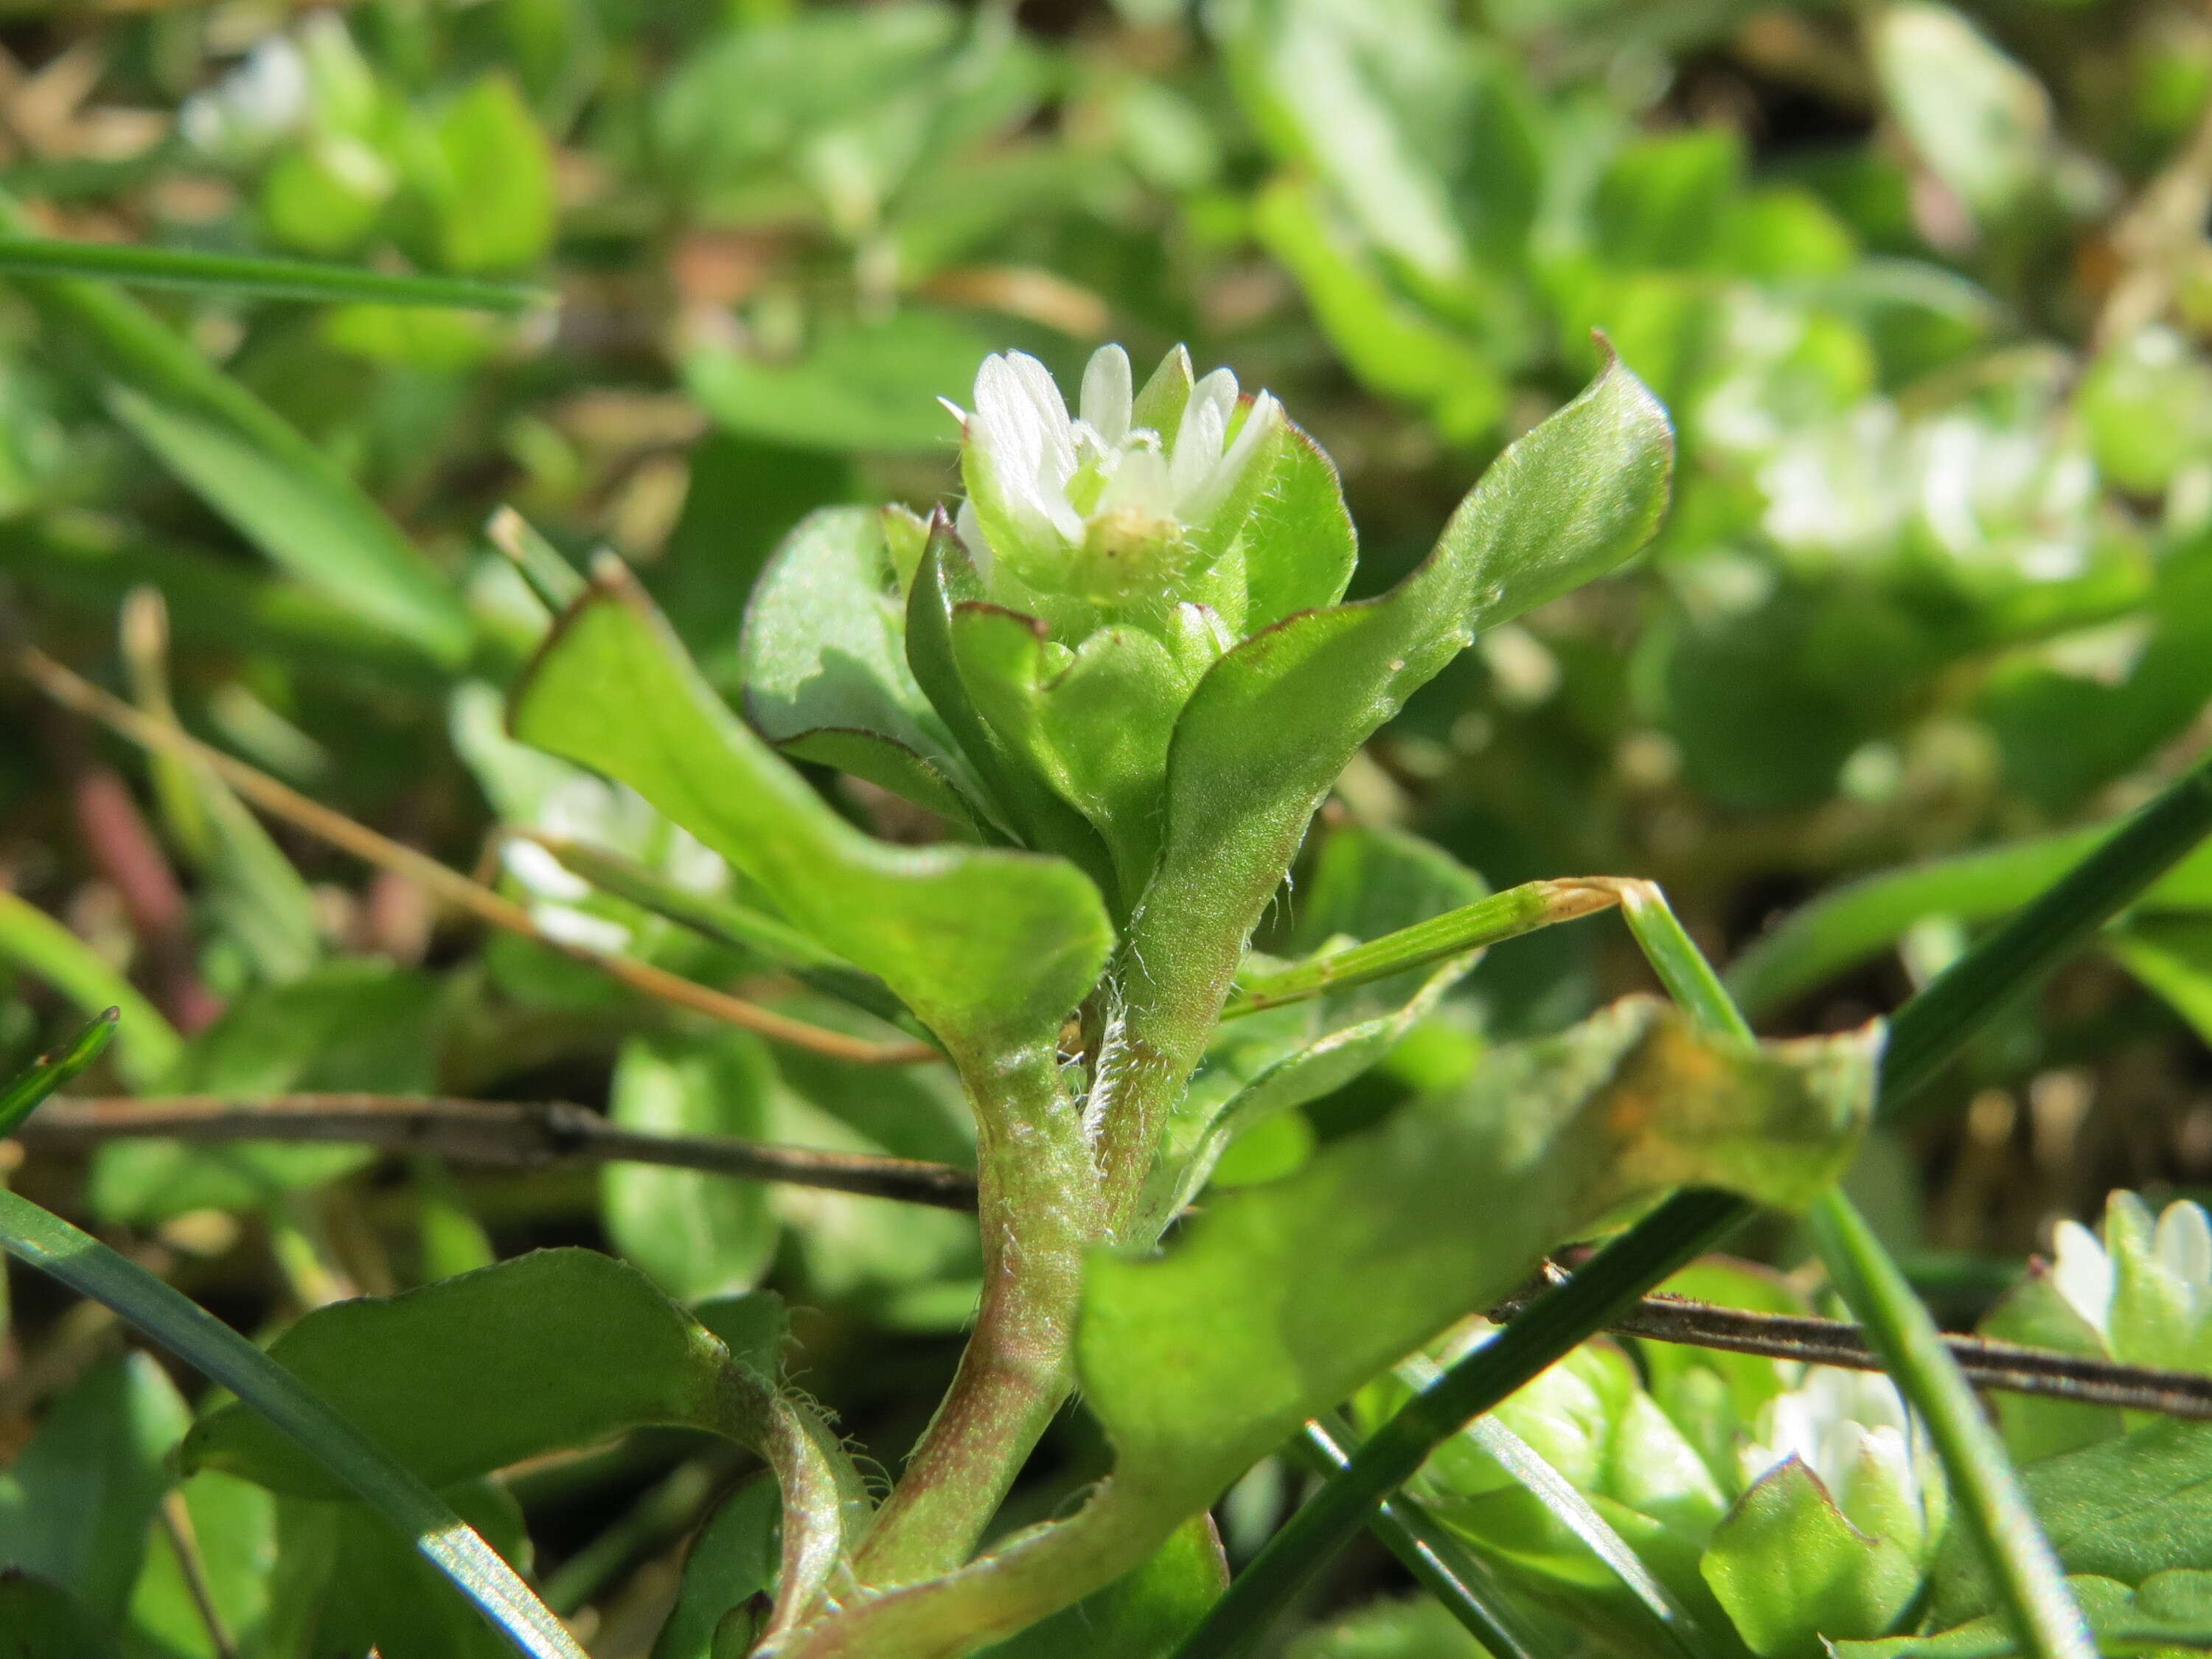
556,583
25,1094
1927,1031
34,942
260,278
1985,1493
170,1318
1443,1566
252,466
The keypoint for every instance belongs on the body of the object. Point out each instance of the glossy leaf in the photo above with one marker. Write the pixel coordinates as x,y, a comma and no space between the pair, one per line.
558,1348
74,1507
1282,1299
730,1562
2124,1509
697,1235
989,949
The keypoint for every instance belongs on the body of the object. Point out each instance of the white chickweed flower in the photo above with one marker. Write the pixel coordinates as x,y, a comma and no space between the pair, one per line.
1098,504
1852,1430
2085,1274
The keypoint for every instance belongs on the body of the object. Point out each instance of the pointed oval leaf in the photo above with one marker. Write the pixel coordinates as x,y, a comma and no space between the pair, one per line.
991,949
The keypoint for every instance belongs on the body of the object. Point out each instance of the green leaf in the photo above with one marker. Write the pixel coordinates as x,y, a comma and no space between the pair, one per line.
1418,1629
234,1523
859,386
1367,882
823,657
2124,1509
1385,338
356,1024
1791,1571
279,491
991,950
697,1235
1143,1614
40,1621
945,584
1340,88
1282,1299
487,171
2169,1612
558,1348
1275,721
75,1506
732,1561
349,1585
241,274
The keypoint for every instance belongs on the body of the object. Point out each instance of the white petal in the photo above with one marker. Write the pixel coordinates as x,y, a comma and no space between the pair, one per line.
1198,442
557,922
1049,410
2184,1244
541,872
1259,424
1107,394
2082,1273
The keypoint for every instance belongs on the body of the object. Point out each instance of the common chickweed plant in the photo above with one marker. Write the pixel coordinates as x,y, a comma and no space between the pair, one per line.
1120,679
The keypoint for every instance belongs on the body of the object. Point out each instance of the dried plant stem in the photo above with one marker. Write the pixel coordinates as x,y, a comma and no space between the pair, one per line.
524,1135
455,889
2006,1367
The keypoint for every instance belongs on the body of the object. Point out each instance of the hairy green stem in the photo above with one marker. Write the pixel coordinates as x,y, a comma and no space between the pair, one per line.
1037,1207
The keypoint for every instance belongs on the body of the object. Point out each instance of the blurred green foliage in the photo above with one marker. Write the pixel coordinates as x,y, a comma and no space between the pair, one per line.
1926,287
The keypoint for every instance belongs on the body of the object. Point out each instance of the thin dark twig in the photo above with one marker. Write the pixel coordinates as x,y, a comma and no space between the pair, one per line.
517,1134
2008,1367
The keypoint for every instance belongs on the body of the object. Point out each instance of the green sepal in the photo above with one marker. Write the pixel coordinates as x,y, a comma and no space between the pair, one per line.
1092,725
2034,1427
945,581
1791,1570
